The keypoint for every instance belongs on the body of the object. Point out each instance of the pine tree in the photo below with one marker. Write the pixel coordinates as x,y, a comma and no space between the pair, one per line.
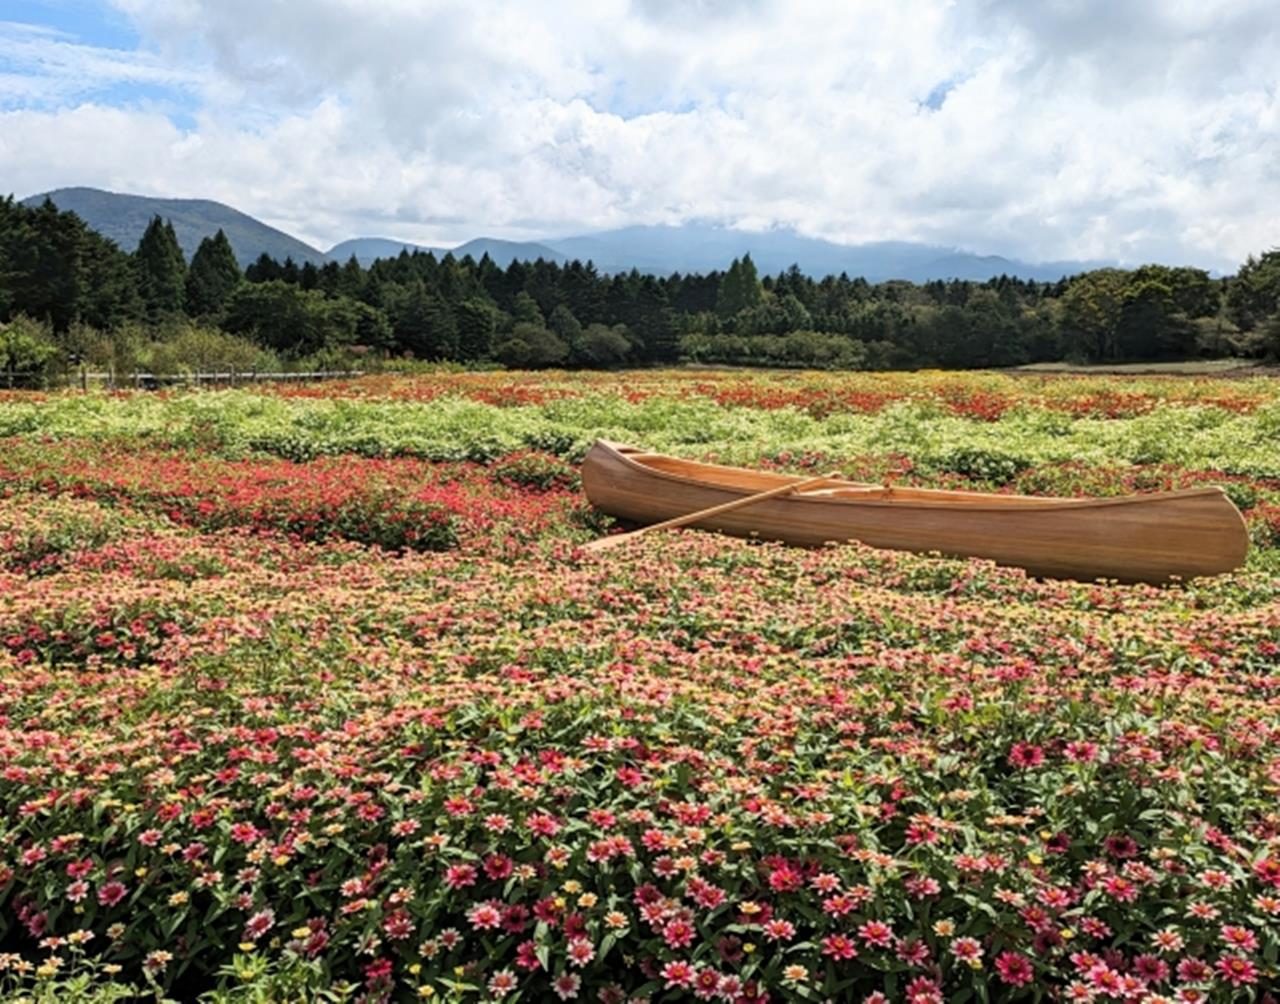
564,324
525,310
739,288
162,271
477,322
213,275
264,269
352,281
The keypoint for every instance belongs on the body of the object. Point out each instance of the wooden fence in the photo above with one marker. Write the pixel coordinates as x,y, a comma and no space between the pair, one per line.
231,378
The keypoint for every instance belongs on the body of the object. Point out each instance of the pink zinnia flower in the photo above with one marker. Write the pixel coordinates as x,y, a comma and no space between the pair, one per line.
542,825
1014,969
779,930
458,876
244,833
784,878
876,933
259,924
398,925
580,952
678,933
1268,871
1237,970
1239,937
706,984
484,916
502,982
839,946
677,974
79,869
112,893
1026,755
967,950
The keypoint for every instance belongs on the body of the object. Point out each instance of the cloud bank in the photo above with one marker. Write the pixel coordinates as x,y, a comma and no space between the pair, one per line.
1136,131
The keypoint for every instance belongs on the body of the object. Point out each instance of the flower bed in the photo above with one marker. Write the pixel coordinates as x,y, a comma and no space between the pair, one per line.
245,749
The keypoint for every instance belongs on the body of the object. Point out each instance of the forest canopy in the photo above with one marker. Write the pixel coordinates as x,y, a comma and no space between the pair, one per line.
79,296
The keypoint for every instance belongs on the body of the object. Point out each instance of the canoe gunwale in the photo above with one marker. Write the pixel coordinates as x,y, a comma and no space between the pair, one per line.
982,501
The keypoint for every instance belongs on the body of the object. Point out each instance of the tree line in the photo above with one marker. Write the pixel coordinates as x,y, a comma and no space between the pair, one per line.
66,292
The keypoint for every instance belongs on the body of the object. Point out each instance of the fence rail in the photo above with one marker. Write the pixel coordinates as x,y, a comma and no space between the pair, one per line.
82,378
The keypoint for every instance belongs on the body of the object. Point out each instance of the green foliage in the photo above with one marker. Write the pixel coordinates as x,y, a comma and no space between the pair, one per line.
53,268
536,470
161,270
1253,296
531,346
739,288
213,275
525,309
599,345
801,349
196,349
989,466
477,323
293,321
27,352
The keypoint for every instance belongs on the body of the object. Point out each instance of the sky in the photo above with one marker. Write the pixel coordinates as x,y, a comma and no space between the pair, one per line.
1124,130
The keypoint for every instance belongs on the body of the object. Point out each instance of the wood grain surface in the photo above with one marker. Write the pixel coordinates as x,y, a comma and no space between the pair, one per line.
1136,538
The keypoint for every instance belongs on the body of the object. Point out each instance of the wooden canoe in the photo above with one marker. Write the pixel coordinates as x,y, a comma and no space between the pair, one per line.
1136,538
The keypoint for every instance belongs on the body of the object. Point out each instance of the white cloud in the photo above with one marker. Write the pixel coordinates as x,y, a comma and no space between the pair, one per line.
1071,128
46,67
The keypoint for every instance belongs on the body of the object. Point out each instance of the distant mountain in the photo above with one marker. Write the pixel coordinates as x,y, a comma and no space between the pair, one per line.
504,253
368,249
701,248
123,218
661,250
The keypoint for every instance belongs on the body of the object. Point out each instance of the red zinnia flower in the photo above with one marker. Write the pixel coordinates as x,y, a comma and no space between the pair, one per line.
839,946
111,893
1237,970
1014,969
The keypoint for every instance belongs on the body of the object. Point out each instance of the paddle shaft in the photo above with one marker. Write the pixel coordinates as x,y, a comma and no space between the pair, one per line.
715,510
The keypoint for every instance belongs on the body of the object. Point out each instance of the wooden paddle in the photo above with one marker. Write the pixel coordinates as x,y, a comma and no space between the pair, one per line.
604,543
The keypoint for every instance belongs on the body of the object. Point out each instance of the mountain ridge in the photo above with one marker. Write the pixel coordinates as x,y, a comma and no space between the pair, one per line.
691,247
123,218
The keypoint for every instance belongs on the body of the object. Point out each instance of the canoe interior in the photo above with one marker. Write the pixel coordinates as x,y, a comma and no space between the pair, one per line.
1136,538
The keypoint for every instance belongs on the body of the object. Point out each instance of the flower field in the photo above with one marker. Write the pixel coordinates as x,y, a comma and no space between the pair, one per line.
306,693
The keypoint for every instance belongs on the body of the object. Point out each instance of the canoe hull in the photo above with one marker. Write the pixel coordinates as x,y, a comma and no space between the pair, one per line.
1146,538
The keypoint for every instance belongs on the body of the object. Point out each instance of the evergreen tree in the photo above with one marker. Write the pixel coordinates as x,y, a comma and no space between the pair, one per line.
264,269
330,279
161,270
565,325
44,265
477,322
421,321
740,288
525,309
352,281
655,327
213,275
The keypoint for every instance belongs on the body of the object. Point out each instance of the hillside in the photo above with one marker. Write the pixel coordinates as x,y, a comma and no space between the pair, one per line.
702,248
368,249
659,250
123,218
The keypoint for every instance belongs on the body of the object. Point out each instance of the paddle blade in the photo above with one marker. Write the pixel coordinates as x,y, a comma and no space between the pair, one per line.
604,543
